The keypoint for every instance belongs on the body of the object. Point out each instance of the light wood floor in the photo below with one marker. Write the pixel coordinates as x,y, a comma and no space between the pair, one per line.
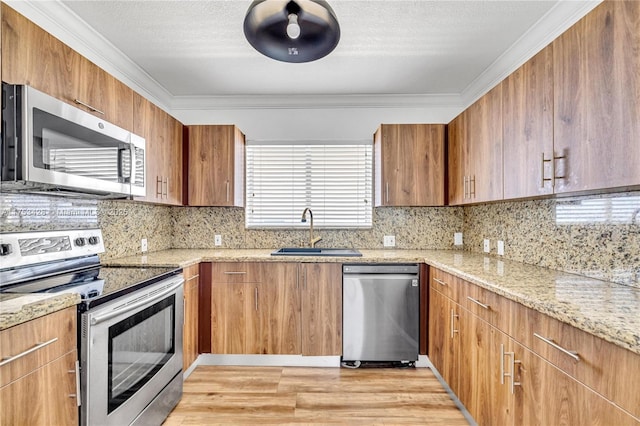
295,395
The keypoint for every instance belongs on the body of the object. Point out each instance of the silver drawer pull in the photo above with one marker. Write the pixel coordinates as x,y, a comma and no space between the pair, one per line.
235,273
89,107
479,303
28,351
440,282
572,354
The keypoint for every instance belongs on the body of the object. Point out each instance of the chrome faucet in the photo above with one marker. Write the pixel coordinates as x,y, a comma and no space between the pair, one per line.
312,241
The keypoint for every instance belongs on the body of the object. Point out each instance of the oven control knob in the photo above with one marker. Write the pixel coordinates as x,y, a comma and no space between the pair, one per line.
80,242
5,249
94,240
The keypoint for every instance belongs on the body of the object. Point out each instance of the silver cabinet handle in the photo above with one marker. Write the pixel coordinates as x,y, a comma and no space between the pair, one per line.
442,283
387,191
107,316
159,186
479,303
572,354
542,178
256,297
472,194
6,361
76,395
89,107
234,273
165,187
512,370
228,191
453,317
464,187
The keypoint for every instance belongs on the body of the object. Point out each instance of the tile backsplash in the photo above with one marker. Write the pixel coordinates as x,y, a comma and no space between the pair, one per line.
414,228
596,236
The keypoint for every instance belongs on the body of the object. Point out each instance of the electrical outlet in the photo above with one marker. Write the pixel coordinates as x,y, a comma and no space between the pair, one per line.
143,245
217,240
500,248
457,239
487,246
389,240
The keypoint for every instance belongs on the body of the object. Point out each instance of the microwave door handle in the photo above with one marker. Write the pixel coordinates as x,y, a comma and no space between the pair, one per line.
123,171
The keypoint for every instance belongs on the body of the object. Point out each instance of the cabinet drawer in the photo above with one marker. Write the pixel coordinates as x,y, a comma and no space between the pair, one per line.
445,283
35,343
235,272
191,272
606,368
489,306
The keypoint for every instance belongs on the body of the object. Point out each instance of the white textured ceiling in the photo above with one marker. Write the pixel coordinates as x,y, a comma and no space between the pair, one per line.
392,47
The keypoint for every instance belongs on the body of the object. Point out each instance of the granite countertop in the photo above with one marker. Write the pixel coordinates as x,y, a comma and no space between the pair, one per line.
608,310
18,308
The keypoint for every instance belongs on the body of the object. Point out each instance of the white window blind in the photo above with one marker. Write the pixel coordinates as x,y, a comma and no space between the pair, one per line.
333,179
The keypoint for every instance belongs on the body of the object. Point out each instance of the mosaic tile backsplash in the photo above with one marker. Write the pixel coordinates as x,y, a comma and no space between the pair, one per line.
597,236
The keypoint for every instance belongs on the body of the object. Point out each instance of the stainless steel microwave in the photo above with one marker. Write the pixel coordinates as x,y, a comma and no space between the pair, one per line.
53,147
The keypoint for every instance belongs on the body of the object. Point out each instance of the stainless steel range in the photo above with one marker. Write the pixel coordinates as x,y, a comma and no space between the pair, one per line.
130,322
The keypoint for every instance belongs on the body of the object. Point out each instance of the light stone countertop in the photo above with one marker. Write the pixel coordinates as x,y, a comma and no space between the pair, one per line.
608,310
18,308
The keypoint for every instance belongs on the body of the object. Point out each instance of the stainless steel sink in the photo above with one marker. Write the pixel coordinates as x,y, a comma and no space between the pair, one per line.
307,251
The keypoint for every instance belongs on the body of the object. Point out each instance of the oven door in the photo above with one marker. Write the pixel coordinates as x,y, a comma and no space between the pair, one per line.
131,349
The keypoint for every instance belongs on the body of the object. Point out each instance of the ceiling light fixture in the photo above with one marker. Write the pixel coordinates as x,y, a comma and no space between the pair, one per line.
292,31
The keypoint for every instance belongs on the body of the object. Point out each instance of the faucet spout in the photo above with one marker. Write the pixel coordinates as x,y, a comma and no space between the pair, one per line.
312,240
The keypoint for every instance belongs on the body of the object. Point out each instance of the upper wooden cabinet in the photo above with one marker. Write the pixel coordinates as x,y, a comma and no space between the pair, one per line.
527,122
410,165
215,166
596,100
475,152
163,135
34,57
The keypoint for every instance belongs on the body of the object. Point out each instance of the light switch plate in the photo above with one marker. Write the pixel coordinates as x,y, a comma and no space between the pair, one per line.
487,246
457,239
217,240
143,245
500,248
389,240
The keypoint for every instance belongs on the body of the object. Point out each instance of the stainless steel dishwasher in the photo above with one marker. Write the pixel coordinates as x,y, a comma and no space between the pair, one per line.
380,314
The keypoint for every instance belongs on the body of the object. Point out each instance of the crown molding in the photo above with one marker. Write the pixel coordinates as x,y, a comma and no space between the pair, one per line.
186,103
60,21
556,21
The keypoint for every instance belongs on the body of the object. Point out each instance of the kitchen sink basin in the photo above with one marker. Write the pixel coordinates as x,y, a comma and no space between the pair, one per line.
307,251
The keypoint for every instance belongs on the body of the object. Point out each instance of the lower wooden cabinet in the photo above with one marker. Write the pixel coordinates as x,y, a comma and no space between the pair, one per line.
321,308
504,381
190,349
276,308
39,388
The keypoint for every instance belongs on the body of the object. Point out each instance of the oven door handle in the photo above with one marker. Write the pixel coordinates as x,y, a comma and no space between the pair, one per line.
146,301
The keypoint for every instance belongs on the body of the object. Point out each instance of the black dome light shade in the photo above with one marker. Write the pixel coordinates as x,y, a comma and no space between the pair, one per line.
292,31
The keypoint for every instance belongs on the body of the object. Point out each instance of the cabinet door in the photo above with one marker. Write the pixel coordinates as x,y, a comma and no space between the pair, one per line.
163,136
412,165
527,97
484,147
234,318
216,173
596,103
481,388
546,396
279,309
444,337
321,308
46,396
191,306
458,159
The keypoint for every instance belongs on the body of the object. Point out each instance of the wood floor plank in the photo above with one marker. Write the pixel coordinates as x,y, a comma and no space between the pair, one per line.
221,395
